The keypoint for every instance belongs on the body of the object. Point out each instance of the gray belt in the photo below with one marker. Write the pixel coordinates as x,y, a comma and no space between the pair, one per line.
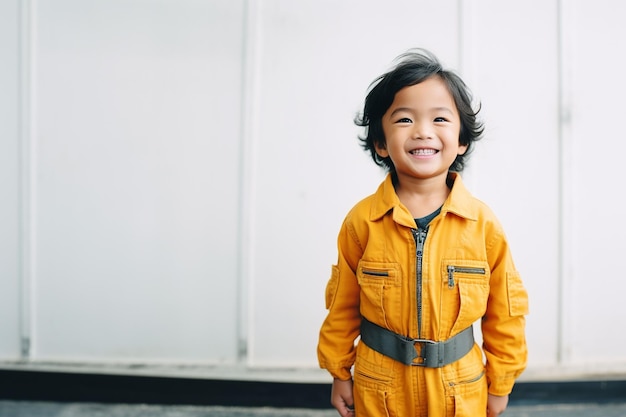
404,349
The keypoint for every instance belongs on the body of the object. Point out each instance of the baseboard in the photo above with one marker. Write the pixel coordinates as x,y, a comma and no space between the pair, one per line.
81,387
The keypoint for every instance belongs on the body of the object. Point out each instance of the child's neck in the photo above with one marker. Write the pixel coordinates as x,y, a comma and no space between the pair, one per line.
422,197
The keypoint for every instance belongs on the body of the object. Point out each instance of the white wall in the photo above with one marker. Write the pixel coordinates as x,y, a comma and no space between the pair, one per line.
10,241
514,69
596,225
175,172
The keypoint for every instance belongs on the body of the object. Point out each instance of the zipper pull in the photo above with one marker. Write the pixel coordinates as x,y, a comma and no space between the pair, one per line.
450,276
420,236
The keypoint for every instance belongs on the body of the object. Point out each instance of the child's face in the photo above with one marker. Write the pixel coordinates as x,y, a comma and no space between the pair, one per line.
422,128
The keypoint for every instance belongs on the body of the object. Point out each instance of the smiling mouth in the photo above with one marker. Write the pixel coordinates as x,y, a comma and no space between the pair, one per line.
423,152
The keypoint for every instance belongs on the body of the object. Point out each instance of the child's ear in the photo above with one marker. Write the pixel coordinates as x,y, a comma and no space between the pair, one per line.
462,149
381,150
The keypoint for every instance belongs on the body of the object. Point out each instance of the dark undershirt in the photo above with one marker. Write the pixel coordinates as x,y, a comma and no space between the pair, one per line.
422,222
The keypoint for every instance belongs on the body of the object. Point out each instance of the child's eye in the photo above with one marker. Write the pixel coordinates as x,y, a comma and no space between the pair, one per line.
404,120
440,119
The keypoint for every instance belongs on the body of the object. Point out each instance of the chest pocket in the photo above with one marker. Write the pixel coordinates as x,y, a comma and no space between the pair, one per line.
380,290
465,292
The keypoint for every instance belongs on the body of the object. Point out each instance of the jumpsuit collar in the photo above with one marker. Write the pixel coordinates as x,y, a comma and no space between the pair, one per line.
386,200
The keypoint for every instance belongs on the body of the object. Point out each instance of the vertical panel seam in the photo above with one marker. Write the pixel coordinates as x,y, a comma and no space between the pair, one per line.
26,178
564,196
461,33
465,63
247,197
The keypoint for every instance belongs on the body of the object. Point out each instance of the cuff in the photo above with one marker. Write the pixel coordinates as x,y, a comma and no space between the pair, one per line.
501,386
341,373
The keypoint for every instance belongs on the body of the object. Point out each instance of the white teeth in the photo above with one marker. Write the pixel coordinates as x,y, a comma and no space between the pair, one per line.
423,152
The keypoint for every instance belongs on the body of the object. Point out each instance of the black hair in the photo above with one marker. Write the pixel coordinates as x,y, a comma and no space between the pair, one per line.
412,68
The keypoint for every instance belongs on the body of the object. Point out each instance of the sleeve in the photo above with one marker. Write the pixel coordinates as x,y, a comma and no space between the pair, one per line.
336,347
503,326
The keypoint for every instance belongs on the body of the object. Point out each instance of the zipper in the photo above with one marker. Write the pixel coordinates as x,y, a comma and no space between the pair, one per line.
462,270
420,237
376,273
468,381
372,378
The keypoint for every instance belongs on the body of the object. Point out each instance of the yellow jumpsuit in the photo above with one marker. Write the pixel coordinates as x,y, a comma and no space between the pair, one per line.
376,277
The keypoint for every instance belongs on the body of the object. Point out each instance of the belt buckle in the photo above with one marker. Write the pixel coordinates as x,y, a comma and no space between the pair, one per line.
418,344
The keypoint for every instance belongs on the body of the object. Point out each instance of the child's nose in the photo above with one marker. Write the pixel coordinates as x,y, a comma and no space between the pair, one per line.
422,130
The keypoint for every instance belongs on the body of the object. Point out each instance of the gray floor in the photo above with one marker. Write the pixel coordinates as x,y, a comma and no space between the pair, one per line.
48,409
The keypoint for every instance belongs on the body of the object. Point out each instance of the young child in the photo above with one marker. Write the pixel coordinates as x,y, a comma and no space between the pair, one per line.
419,261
